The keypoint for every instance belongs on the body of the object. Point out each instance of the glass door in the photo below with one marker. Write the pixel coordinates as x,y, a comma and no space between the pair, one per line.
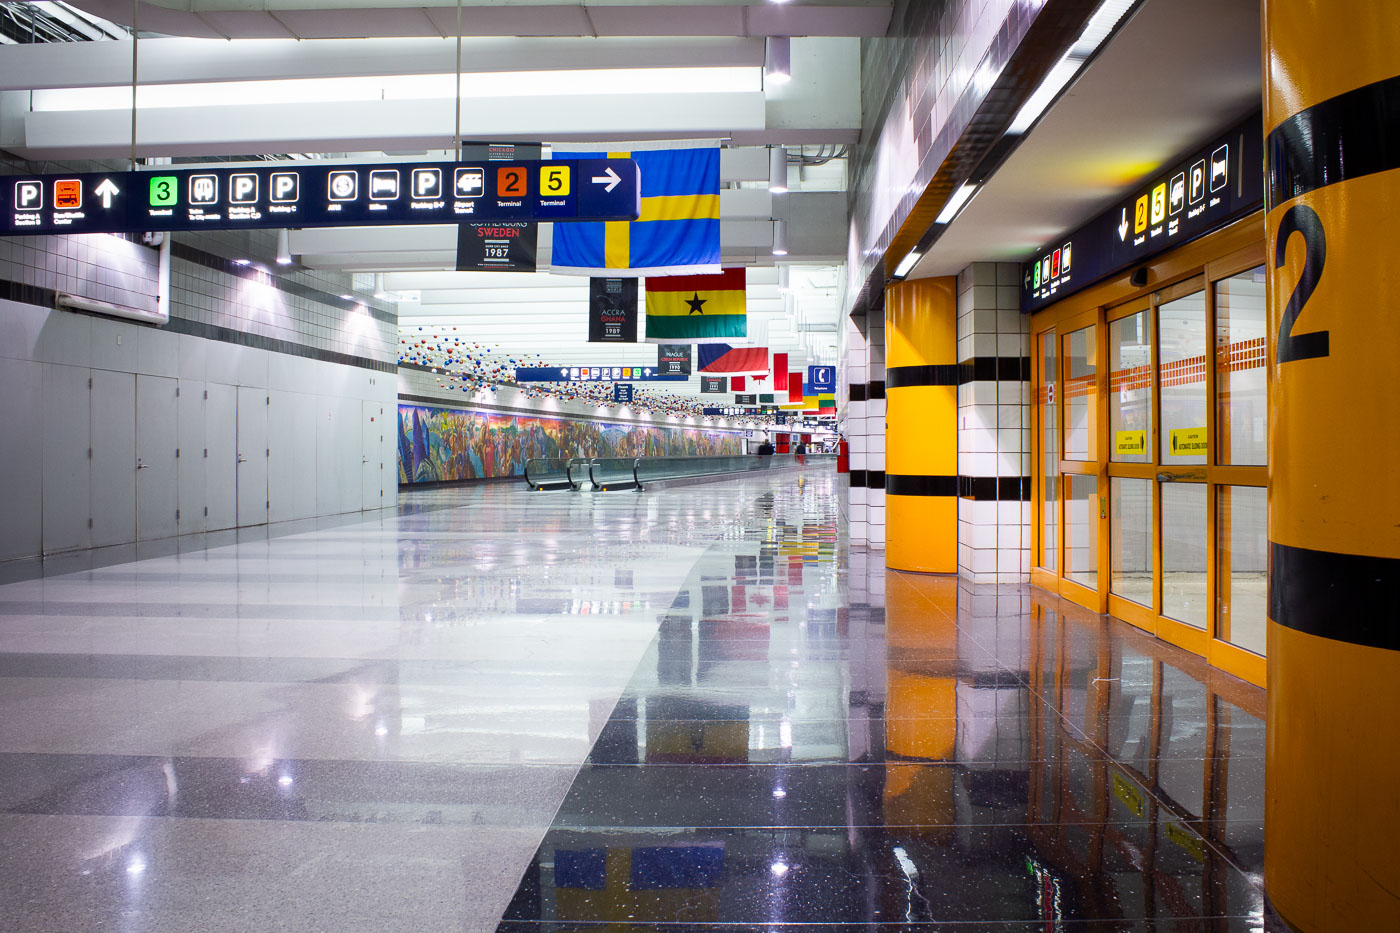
1182,454
1084,494
1132,405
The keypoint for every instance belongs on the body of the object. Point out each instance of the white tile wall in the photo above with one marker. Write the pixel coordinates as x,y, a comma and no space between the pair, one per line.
993,425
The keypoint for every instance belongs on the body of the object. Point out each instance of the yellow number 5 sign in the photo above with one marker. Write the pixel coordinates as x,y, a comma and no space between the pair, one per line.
554,181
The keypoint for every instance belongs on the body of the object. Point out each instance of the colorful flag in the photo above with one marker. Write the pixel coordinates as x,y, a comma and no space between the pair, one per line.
696,308
722,358
736,383
676,234
794,382
780,372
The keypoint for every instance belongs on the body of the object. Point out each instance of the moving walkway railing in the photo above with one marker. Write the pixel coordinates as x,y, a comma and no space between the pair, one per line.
614,473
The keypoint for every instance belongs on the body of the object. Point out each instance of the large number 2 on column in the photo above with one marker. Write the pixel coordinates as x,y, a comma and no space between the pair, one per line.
1301,219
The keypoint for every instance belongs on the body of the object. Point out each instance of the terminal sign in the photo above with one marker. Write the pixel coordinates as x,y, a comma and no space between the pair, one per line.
1211,188
312,195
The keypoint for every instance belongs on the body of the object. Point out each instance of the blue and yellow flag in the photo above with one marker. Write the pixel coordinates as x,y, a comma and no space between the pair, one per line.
676,234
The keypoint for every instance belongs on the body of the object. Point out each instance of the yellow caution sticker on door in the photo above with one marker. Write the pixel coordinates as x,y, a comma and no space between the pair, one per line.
1127,792
1186,442
1130,442
1186,840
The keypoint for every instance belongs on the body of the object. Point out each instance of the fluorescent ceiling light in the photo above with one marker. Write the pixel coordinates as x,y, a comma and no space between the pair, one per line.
778,59
777,170
906,265
1099,27
284,248
600,81
956,203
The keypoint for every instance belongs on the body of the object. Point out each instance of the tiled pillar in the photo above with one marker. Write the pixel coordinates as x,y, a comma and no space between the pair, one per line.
993,426
875,428
854,427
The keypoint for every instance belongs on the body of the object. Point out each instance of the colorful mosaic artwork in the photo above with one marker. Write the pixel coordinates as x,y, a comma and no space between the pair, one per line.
445,444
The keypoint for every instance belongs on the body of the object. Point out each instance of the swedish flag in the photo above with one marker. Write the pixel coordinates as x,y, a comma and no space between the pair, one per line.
676,234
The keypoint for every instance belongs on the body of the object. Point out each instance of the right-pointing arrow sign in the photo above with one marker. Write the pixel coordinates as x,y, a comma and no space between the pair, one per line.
1123,226
608,179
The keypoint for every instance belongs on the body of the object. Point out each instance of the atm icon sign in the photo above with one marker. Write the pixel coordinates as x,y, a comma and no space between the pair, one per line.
29,195
284,187
343,186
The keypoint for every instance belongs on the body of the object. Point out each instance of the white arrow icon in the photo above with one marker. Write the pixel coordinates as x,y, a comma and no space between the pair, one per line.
1123,226
609,178
106,191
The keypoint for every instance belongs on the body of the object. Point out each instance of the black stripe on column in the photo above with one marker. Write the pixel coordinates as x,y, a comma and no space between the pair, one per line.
857,391
875,388
874,479
898,485
857,479
1347,136
904,377
995,368
1344,597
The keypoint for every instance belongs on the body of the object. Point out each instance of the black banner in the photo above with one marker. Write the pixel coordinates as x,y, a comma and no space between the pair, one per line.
746,400
714,385
506,246
673,359
612,310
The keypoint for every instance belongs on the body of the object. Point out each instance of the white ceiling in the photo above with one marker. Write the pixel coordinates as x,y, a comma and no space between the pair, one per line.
1177,73
325,19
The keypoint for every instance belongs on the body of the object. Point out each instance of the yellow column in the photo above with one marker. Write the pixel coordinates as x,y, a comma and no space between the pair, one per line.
1331,107
921,438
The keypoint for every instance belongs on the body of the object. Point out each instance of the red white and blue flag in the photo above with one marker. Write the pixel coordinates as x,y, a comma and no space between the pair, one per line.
722,358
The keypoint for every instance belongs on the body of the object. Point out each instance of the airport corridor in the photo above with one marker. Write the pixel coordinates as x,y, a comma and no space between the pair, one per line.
500,709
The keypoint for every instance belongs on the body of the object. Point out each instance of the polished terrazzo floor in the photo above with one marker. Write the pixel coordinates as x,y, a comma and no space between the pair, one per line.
678,709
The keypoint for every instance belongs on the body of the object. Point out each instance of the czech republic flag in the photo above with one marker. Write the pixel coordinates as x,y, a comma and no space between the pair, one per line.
722,358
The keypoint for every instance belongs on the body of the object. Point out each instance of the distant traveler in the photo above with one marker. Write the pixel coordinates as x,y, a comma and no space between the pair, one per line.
765,449
801,451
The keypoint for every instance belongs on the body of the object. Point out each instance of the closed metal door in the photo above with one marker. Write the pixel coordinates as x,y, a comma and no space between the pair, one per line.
156,474
221,463
113,430
252,456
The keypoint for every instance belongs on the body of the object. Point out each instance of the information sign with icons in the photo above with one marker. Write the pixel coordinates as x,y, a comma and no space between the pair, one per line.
1191,197
593,374
312,195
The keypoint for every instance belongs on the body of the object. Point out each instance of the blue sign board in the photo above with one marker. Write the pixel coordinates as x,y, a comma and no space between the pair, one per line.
593,374
622,392
820,379
320,194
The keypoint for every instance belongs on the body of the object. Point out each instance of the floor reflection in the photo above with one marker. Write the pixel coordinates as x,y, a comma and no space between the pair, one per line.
813,740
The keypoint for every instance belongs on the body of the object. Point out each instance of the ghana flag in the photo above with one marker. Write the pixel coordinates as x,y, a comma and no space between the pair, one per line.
696,308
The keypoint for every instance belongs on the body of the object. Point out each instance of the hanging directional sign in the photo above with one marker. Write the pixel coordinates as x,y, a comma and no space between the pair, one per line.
593,374
1184,200
306,194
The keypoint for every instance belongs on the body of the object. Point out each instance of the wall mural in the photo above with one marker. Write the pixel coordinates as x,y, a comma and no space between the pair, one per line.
443,444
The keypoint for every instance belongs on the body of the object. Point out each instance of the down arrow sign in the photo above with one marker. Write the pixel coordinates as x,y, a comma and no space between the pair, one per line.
608,179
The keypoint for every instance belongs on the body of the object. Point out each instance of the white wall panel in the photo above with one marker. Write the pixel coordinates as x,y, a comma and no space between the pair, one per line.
66,454
21,457
113,433
157,480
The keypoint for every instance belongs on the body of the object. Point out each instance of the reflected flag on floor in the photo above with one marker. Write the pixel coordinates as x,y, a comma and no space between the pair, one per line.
697,308
677,232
